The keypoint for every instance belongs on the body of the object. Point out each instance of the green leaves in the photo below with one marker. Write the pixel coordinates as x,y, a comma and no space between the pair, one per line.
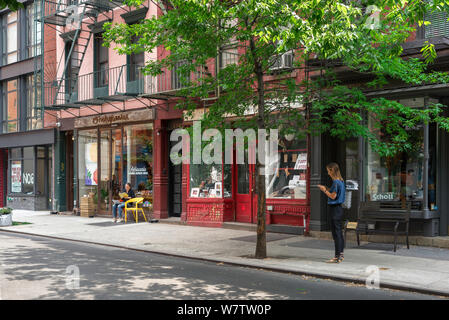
11,4
333,34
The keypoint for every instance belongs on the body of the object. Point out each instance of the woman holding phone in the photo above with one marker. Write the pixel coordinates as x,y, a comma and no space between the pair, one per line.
336,196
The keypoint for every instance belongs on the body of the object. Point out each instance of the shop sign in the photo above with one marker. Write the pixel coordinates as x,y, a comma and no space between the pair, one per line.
383,196
108,119
138,171
28,178
301,162
16,176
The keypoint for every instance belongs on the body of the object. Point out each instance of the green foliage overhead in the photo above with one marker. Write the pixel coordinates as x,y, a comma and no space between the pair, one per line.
11,4
364,36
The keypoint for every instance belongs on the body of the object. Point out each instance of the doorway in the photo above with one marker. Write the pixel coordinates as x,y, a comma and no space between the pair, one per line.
346,154
245,195
174,186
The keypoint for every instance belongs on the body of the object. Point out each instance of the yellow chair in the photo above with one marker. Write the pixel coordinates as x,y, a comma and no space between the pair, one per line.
133,205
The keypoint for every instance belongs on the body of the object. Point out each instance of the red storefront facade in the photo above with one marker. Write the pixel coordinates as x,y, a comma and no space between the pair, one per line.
216,194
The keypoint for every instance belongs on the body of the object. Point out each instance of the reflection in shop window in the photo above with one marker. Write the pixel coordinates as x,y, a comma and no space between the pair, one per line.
88,164
287,171
210,181
400,177
138,158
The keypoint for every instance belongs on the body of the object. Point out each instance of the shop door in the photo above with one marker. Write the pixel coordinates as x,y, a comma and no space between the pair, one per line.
174,187
245,199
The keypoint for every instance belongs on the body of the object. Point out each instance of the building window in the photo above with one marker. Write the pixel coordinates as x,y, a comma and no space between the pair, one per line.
287,171
34,29
210,181
138,157
24,163
228,56
136,62
401,177
10,106
34,114
101,62
10,42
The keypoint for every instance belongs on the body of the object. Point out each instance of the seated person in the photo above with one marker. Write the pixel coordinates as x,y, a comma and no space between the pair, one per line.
120,205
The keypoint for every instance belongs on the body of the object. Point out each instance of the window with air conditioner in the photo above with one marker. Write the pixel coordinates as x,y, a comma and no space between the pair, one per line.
439,25
282,61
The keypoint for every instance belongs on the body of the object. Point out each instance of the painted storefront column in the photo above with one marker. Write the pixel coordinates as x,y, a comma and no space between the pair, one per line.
160,173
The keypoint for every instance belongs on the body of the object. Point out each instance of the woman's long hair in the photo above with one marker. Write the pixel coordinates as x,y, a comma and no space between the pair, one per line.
334,171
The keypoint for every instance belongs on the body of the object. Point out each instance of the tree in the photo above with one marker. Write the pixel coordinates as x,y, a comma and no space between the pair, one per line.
364,39
11,4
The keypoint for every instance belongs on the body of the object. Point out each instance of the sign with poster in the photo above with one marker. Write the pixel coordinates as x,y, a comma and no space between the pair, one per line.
90,157
16,176
301,162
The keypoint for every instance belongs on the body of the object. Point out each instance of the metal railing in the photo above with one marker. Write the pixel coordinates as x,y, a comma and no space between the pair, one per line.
121,82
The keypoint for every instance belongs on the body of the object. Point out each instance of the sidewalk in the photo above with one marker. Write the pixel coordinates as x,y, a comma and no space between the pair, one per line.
424,269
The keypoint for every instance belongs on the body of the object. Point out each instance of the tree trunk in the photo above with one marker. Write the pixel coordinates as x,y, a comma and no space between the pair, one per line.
261,245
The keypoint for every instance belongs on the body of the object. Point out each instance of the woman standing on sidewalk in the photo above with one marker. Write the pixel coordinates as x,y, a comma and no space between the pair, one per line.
336,196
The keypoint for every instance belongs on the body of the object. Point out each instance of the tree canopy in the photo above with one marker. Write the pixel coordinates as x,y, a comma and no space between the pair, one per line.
365,36
11,4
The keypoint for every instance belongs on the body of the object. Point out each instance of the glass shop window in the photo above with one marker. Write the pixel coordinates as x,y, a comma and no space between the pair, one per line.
287,171
210,181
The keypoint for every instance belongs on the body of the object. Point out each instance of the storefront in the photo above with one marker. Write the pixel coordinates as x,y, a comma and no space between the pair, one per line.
227,193
409,176
111,150
28,169
417,176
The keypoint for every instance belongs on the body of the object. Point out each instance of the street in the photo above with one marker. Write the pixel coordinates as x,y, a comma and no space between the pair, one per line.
41,268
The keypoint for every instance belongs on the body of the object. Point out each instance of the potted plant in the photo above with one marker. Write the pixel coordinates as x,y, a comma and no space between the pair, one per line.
5,217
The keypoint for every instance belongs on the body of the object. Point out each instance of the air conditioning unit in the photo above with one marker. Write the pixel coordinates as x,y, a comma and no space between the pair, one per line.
283,61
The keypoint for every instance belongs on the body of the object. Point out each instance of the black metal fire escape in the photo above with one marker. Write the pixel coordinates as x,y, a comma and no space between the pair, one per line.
76,16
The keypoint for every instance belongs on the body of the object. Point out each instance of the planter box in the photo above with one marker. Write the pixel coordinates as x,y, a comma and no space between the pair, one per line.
6,220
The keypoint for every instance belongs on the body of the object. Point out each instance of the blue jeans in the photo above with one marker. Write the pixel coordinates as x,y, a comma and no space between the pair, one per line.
120,206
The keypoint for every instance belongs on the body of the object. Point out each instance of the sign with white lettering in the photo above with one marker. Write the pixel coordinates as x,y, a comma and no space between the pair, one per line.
383,196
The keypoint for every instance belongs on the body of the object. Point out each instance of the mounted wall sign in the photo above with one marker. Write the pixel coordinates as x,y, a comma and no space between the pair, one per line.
113,118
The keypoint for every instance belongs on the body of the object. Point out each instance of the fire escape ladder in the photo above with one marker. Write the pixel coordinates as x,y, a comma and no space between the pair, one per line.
67,85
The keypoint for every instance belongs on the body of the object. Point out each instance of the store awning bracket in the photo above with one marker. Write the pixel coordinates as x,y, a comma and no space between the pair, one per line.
114,106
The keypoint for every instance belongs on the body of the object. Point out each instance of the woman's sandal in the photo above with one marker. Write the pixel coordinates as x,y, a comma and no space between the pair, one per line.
333,260
341,258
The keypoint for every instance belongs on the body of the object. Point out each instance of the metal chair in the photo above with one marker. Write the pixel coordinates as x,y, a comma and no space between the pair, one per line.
133,205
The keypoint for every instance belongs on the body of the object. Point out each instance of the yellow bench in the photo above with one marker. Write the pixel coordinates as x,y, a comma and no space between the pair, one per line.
133,205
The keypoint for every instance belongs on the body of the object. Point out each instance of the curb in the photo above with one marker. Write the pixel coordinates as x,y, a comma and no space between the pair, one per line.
357,280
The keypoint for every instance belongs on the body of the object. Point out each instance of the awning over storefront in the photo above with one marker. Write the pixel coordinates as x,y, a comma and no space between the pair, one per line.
28,138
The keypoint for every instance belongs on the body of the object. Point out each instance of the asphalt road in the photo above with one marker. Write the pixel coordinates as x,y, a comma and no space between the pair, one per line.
41,268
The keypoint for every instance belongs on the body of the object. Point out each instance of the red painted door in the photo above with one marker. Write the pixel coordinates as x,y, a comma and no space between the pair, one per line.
243,199
246,198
